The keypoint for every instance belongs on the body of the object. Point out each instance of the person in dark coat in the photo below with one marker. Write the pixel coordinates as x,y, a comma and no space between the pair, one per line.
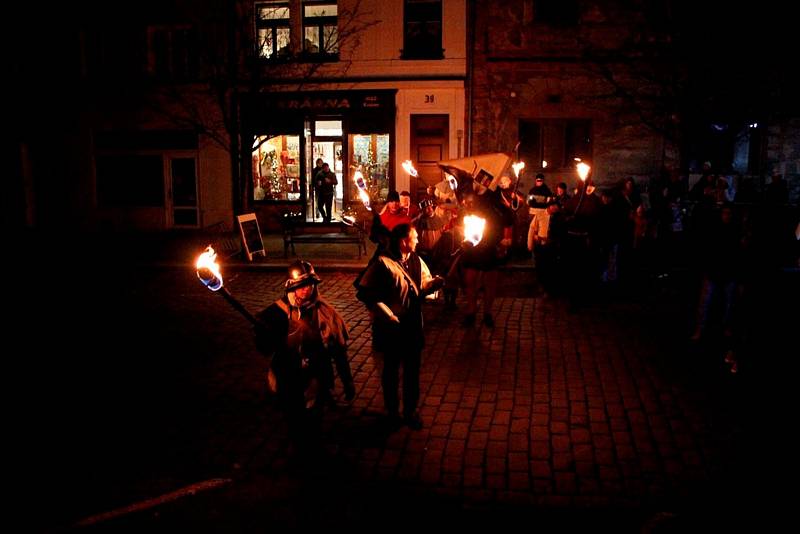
303,334
326,180
393,288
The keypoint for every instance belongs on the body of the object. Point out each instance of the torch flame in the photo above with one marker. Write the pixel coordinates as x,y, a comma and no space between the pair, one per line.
409,168
518,166
583,171
208,269
473,228
358,178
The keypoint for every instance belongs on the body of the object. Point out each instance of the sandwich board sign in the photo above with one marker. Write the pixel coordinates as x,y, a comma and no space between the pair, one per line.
251,235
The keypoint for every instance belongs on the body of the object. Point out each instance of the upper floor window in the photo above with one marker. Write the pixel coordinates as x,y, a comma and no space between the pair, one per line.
172,52
422,34
320,27
272,28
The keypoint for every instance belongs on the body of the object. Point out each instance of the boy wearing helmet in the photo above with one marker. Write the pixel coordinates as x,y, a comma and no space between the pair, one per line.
303,334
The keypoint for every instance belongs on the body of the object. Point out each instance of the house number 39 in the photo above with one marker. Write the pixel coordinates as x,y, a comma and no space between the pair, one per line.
429,99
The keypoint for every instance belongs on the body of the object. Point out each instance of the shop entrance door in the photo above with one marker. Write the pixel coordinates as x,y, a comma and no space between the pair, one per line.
331,153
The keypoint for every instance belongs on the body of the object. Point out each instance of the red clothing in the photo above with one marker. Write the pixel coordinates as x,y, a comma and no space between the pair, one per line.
390,220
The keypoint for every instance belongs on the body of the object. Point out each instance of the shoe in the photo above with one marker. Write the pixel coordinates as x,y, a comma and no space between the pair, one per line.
414,421
469,320
488,320
349,392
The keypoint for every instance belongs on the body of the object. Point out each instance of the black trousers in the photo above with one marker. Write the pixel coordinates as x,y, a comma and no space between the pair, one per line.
326,202
411,361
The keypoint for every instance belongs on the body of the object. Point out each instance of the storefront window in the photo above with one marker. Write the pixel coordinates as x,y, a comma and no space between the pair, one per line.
370,154
276,167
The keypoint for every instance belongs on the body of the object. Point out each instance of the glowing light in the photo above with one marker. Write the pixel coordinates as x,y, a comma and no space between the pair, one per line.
544,164
518,166
358,178
473,228
583,170
208,269
409,168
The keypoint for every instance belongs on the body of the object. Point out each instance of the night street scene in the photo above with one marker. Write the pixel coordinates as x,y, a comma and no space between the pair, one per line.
382,265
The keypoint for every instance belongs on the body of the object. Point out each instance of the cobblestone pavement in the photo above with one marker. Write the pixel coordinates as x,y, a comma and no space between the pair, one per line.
601,418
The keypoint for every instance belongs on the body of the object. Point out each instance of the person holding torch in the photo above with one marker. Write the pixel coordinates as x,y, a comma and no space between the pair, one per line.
302,334
582,256
393,287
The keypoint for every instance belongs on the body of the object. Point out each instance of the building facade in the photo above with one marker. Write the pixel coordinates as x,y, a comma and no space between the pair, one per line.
184,114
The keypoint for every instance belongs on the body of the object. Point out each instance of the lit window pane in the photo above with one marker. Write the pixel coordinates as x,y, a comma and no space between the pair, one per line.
276,167
331,38
265,47
312,40
273,13
328,128
325,10
283,40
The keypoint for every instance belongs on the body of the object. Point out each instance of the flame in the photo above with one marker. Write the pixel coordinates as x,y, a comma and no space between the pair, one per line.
473,228
208,269
544,164
518,166
409,168
583,171
358,178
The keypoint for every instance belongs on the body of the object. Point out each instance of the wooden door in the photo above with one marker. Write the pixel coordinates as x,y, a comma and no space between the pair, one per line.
429,144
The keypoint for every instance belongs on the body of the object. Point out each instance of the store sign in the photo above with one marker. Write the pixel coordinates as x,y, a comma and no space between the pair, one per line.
314,103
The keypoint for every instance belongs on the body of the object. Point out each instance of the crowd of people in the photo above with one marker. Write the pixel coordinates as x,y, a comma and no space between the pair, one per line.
584,242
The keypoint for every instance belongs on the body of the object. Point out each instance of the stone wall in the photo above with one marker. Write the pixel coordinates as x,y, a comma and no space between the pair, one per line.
524,70
783,154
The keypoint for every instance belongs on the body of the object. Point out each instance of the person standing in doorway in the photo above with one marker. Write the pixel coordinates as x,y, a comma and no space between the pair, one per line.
317,188
327,184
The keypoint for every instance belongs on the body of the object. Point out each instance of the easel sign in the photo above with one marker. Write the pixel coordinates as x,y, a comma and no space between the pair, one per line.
251,235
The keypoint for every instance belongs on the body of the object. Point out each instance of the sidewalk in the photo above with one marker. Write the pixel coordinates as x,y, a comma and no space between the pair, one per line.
179,249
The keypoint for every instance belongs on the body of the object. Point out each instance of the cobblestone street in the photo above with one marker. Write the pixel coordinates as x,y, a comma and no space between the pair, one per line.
604,417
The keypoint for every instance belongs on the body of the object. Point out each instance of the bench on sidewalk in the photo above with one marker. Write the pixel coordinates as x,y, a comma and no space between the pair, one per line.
297,231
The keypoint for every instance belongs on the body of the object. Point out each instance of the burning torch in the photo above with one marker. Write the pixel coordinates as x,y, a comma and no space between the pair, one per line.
583,173
473,234
358,178
409,168
208,272
518,166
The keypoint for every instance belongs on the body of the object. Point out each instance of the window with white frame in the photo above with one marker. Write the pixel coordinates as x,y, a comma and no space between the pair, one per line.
320,27
273,24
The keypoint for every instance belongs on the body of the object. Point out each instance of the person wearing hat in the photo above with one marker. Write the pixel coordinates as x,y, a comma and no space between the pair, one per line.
303,334
538,199
392,213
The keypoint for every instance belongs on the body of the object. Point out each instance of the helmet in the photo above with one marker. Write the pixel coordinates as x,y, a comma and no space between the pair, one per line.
301,273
